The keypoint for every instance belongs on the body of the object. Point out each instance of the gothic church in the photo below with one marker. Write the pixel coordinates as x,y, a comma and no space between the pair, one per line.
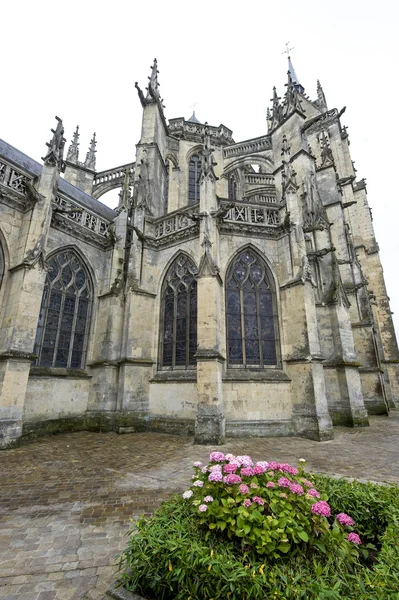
236,290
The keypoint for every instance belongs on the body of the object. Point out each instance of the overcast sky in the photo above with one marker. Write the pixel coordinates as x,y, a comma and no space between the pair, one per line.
79,60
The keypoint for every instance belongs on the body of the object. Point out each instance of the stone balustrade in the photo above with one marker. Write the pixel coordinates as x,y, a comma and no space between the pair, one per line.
248,147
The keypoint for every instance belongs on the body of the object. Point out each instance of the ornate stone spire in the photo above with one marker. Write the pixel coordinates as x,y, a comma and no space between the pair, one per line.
90,161
299,88
268,119
55,154
277,110
208,161
288,175
153,86
73,150
327,157
291,100
321,99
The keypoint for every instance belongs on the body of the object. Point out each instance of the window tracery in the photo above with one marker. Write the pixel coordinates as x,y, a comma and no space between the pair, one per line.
194,174
179,315
252,326
64,319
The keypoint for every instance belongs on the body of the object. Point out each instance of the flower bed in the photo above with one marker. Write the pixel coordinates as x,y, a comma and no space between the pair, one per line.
267,530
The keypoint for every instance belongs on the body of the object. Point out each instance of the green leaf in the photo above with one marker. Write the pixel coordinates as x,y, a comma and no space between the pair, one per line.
283,547
303,535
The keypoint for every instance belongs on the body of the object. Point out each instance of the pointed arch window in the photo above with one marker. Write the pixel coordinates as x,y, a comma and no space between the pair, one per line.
1,264
64,319
166,189
179,315
232,187
252,326
194,174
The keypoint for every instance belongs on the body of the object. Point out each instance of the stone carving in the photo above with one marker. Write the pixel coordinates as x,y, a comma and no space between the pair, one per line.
207,161
73,150
327,158
288,176
55,154
90,162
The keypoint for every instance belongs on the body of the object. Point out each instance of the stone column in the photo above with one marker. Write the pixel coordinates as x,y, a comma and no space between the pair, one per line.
210,421
23,295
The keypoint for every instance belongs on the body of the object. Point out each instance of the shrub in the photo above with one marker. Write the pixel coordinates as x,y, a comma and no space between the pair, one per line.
175,556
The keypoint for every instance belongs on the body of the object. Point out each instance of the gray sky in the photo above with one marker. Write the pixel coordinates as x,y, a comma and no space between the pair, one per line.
79,60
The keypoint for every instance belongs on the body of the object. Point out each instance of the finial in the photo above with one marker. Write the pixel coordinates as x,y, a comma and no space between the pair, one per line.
327,158
152,90
277,113
321,99
73,150
124,194
291,100
294,79
55,154
90,161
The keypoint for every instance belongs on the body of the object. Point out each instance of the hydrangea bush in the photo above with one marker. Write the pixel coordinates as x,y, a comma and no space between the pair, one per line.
272,508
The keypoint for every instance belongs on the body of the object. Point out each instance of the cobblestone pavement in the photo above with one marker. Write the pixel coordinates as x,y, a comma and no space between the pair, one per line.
66,501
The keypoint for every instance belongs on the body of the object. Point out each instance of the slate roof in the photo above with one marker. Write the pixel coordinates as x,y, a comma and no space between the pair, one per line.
19,159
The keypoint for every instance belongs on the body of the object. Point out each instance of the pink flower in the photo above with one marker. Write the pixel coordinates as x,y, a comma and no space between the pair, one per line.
247,472
307,483
314,493
258,469
202,508
270,484
215,476
253,485
354,538
321,508
284,482
247,502
198,483
215,468
217,456
258,500
245,461
198,464
188,494
345,519
230,456
286,468
204,470
243,489
208,499
273,465
262,463
232,479
230,468
295,488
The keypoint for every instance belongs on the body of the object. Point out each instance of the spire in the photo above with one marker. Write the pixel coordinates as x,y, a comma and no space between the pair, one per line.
277,112
291,100
90,161
321,99
193,118
299,88
288,176
73,150
152,90
55,154
268,119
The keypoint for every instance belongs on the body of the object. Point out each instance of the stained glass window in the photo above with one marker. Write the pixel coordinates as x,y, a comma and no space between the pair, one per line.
179,315
1,264
194,173
166,193
61,336
251,313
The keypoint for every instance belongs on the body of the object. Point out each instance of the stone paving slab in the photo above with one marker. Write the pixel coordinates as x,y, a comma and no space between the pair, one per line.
66,501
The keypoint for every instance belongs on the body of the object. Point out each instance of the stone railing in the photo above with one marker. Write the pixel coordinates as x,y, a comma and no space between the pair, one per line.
110,174
248,147
12,178
260,198
182,128
82,216
242,213
259,179
172,223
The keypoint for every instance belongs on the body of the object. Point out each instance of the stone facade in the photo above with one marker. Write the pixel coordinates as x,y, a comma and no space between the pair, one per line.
236,290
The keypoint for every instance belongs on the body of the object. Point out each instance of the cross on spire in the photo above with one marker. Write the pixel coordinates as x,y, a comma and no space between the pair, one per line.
287,49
